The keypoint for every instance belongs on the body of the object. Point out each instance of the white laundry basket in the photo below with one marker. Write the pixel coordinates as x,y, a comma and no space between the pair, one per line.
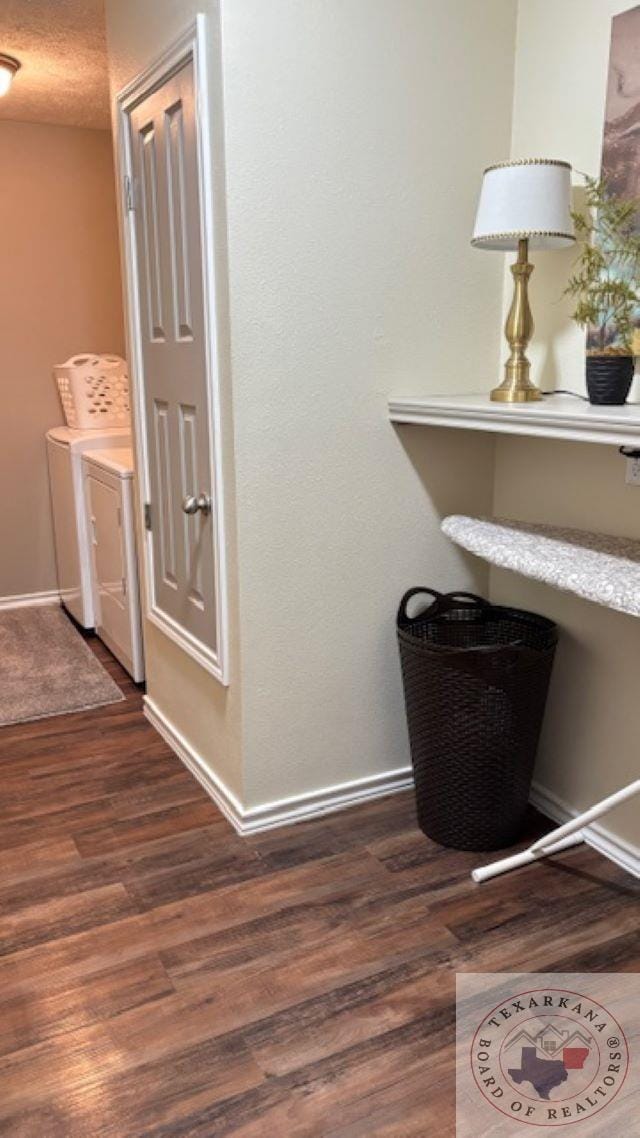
94,391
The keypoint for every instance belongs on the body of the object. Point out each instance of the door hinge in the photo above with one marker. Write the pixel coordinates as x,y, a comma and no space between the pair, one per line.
129,194
147,515
124,586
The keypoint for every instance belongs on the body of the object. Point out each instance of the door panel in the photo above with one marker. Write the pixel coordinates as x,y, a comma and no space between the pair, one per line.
178,233
166,542
189,477
151,231
170,274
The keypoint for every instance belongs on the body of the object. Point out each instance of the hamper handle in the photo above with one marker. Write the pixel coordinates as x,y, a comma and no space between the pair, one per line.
439,600
468,597
403,615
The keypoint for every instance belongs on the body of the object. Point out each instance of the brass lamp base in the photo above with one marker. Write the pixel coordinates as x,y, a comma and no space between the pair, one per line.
516,392
516,386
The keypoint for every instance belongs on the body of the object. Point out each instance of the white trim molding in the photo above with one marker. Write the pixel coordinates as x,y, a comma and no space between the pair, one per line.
190,46
304,807
30,600
284,811
224,798
616,849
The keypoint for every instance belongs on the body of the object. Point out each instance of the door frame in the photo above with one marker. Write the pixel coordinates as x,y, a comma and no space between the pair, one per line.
190,46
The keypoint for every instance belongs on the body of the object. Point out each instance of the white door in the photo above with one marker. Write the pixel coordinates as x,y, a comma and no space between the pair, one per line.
183,514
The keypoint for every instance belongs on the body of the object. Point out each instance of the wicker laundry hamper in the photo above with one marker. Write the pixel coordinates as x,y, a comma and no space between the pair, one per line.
476,678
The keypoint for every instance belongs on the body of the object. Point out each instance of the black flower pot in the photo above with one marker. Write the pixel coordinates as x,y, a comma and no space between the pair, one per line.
609,379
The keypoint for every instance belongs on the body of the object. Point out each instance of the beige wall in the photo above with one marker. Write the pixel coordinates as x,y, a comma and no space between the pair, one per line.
590,741
59,294
355,136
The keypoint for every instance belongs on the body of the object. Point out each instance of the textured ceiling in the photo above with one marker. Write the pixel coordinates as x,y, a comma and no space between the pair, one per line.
61,45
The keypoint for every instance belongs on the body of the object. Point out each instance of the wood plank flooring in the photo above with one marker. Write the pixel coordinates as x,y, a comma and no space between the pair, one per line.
160,975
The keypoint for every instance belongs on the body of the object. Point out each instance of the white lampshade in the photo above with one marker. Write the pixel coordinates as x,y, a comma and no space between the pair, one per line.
8,68
531,198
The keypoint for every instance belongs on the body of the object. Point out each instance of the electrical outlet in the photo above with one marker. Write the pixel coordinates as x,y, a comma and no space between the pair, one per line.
632,474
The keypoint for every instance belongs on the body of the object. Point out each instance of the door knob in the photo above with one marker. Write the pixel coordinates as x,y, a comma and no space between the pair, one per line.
192,504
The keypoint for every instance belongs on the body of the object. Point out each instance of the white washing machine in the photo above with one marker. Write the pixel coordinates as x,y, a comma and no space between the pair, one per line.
65,448
108,484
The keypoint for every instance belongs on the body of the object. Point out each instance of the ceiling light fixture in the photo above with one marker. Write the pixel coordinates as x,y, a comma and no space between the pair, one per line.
8,68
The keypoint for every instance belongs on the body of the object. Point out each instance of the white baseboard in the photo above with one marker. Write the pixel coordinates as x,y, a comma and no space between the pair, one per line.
303,807
224,798
285,811
30,600
616,849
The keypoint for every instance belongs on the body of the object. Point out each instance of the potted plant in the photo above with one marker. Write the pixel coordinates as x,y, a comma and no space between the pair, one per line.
604,286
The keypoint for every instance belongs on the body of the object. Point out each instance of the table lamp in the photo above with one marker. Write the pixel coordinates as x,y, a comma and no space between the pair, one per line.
523,204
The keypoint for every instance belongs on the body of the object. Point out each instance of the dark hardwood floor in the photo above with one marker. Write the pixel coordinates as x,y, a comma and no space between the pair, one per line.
160,975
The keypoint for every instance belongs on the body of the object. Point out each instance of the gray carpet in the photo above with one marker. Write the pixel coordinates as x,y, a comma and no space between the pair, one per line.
46,668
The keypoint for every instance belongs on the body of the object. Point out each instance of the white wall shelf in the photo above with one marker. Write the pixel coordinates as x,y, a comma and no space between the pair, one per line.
554,417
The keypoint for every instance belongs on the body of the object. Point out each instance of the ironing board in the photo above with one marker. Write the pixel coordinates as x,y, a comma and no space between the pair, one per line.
595,566
598,567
